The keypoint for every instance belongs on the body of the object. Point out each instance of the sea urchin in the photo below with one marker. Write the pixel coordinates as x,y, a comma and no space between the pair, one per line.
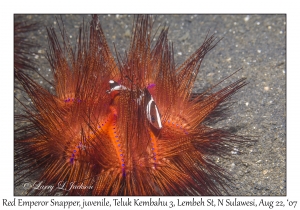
124,126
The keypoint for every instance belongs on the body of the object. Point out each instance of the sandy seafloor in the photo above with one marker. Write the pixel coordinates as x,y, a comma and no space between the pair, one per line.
255,43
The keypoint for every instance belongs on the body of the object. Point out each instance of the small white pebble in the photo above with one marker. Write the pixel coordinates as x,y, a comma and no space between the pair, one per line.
266,88
54,22
36,56
269,27
258,23
71,36
280,32
234,151
246,18
259,51
246,103
179,53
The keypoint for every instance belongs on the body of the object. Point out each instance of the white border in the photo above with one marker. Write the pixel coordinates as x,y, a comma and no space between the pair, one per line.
154,6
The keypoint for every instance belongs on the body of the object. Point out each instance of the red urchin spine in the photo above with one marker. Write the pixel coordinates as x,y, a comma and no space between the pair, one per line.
144,137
